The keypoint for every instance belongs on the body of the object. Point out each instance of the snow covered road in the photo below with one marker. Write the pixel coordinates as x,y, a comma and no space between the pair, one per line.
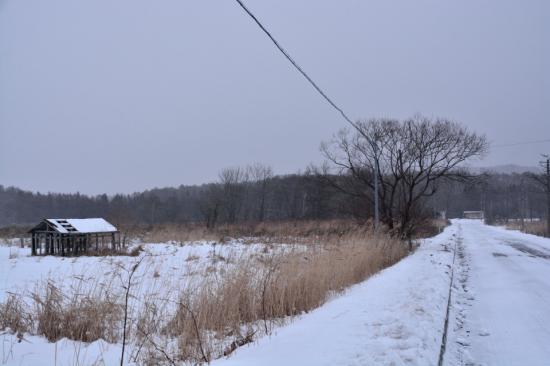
501,298
394,318
499,313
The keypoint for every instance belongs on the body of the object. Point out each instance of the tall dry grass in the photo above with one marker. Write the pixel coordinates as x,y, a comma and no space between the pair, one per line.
84,314
15,316
260,293
272,231
222,308
529,227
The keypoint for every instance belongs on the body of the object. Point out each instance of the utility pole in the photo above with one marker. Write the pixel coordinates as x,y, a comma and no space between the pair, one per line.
548,196
376,204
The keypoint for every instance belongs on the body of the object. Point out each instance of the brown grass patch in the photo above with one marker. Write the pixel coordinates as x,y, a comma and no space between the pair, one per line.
81,315
529,227
272,231
14,315
260,293
235,300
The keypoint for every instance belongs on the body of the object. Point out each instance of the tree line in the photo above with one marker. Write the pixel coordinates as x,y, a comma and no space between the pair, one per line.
419,162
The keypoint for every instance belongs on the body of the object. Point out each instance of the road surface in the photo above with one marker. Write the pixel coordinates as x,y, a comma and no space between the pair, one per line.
500,313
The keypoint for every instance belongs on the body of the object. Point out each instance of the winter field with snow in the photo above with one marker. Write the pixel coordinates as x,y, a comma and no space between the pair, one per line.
158,278
491,285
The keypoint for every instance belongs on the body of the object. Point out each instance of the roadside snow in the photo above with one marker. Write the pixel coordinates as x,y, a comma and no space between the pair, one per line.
394,318
499,312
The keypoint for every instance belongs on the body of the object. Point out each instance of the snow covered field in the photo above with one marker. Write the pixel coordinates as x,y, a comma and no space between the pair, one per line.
499,313
166,270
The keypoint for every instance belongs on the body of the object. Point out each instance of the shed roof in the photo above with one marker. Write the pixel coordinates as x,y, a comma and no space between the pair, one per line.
82,226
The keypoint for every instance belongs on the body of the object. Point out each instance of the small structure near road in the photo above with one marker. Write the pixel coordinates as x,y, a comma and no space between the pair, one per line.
73,236
474,215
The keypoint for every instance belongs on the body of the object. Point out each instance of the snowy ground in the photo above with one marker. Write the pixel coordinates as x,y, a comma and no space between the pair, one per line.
499,310
166,269
499,313
394,318
501,298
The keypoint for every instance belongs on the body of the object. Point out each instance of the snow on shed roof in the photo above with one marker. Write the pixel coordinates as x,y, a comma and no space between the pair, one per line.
97,225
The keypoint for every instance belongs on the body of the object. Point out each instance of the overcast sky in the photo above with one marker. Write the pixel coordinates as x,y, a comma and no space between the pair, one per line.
119,96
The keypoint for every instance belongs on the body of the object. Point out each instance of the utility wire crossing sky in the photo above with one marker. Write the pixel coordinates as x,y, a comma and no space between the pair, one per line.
161,95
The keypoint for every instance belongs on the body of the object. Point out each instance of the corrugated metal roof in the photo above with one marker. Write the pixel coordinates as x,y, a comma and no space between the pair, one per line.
84,226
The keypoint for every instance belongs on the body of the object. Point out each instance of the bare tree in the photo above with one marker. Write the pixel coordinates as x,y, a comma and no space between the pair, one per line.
233,184
210,205
261,175
411,156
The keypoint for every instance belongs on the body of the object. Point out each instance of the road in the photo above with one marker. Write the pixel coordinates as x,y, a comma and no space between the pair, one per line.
500,313
499,309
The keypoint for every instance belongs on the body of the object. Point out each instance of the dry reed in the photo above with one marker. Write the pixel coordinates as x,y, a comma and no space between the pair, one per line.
529,227
229,303
262,292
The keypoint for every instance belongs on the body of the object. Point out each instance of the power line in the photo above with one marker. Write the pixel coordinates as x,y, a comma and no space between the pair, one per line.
295,64
523,143
325,96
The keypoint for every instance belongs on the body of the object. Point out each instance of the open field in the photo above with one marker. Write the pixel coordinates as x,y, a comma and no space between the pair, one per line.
254,301
183,301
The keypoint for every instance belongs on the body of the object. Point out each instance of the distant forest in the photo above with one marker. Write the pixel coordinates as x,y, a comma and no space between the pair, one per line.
412,167
238,197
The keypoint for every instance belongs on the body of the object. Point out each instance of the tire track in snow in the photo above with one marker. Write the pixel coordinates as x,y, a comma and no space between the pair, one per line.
462,300
446,323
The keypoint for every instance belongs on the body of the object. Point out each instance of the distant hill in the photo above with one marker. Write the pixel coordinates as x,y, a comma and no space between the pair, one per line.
506,169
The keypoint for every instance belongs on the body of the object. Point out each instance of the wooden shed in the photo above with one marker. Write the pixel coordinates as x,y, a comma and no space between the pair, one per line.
73,236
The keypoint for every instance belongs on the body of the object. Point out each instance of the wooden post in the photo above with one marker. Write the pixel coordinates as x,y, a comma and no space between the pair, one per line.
33,245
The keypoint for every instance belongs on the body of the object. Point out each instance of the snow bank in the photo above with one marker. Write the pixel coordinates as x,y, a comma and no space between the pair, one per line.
394,318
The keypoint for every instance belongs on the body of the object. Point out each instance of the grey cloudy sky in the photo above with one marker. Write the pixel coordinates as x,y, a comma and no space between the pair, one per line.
118,96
